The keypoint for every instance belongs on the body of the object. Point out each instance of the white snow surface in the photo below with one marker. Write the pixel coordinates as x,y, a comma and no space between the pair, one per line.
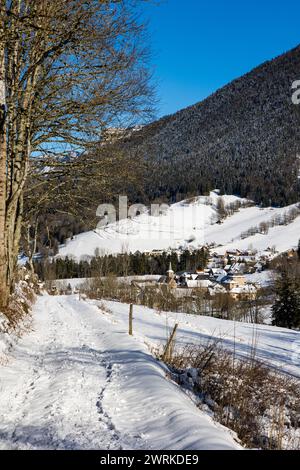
277,347
264,278
186,224
6,340
79,381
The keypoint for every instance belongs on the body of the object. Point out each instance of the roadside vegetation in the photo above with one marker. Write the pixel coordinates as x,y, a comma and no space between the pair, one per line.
261,405
160,297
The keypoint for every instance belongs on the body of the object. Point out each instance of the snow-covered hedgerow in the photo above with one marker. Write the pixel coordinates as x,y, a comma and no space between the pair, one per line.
16,318
260,404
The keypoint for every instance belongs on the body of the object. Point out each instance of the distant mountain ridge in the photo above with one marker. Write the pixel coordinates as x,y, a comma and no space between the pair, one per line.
243,139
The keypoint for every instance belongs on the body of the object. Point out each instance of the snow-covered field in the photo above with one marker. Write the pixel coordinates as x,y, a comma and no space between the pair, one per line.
278,347
78,381
187,224
264,278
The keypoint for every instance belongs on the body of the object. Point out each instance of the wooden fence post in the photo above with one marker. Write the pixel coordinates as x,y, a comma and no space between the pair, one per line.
167,351
131,320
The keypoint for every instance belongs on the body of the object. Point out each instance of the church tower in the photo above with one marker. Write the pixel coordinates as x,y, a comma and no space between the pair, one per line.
171,278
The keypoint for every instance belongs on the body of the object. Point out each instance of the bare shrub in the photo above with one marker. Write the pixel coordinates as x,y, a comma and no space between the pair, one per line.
284,219
260,404
98,288
17,314
163,298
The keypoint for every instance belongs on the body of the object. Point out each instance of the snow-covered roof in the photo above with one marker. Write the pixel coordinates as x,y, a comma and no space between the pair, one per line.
248,288
221,278
203,283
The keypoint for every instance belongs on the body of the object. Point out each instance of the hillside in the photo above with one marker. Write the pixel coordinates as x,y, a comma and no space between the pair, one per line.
243,139
191,224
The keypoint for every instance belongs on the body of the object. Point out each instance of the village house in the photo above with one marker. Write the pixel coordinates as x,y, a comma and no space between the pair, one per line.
245,292
212,282
216,289
201,281
216,261
217,272
234,280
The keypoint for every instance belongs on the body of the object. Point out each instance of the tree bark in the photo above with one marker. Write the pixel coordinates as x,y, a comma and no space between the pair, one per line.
47,97
4,285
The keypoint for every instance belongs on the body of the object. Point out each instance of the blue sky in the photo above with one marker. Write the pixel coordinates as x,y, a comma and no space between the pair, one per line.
200,45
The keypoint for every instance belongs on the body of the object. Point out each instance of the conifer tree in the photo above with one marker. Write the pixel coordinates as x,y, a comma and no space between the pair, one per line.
286,309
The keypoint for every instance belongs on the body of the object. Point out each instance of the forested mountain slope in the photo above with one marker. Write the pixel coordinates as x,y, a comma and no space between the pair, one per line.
243,139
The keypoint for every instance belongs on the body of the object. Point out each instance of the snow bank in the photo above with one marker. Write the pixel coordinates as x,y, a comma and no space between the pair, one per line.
278,347
18,317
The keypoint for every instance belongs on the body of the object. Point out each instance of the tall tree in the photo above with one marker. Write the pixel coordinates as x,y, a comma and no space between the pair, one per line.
3,154
68,69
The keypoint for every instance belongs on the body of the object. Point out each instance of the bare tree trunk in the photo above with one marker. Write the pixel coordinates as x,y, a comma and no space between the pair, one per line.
41,94
4,289
13,234
32,243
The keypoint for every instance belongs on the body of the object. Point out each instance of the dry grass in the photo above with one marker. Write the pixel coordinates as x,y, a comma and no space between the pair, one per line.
104,309
261,405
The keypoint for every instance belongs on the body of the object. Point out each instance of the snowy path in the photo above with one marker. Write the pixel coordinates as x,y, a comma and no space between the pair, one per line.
78,381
